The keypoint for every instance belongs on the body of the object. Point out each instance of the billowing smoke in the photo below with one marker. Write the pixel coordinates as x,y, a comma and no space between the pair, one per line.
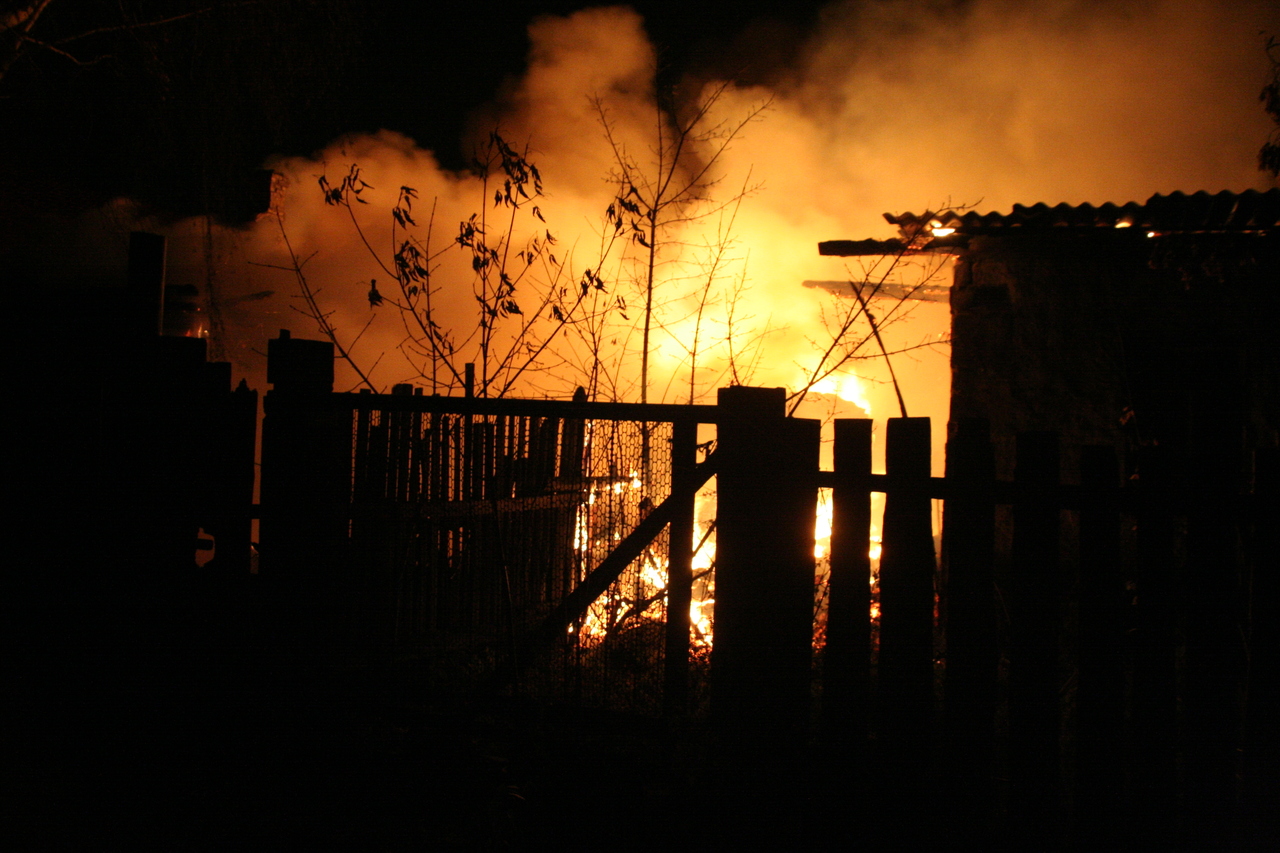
892,106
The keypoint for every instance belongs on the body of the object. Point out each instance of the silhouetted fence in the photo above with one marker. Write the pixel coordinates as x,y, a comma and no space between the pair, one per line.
465,526
1087,658
1086,654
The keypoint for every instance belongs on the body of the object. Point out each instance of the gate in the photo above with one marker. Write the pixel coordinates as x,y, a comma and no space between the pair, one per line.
488,532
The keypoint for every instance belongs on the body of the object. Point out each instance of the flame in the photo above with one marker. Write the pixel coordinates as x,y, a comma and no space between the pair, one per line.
822,526
848,386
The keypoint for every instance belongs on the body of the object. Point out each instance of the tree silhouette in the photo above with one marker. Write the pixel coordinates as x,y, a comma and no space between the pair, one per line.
1269,155
668,189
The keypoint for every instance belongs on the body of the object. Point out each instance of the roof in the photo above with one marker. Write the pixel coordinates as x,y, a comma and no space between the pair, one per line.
1202,212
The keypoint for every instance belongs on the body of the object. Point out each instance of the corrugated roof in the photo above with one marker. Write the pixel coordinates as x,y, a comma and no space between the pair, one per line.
1177,212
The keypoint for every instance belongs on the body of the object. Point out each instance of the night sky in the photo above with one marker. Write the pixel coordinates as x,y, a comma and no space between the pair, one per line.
166,113
97,105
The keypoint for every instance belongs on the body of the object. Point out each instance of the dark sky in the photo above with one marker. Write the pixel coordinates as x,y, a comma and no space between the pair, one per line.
451,61
99,105
175,113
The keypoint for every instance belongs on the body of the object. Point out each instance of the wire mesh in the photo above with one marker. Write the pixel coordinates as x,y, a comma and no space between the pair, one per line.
467,530
614,657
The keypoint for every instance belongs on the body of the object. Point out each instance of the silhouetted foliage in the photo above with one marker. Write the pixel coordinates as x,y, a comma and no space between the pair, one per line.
1269,155
524,301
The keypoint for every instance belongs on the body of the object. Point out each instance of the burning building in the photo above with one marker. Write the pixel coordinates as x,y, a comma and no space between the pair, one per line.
1134,325
1131,346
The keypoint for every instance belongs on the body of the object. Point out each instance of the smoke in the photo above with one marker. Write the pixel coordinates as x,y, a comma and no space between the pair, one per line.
890,106
1000,102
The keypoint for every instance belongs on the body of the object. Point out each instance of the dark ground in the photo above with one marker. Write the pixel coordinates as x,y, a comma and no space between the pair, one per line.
286,753
359,756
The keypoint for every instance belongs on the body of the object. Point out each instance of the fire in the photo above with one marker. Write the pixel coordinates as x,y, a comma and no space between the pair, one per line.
642,594
822,554
599,525
848,386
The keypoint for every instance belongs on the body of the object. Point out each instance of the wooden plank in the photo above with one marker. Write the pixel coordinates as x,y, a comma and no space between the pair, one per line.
1152,734
1035,615
1260,747
1100,678
398,448
972,648
907,569
847,657
572,442
762,657
1213,659
306,482
233,434
415,454
559,409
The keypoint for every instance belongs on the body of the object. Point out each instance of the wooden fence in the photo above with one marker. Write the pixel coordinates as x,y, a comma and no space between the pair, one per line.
485,529
1088,655
1086,652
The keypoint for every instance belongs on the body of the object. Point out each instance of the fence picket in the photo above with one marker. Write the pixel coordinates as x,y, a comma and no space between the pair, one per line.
847,657
1260,748
1151,771
1035,622
972,649
764,582
684,452
1100,679
907,567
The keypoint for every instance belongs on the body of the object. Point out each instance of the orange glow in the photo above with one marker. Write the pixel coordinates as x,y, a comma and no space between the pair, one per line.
1049,110
847,387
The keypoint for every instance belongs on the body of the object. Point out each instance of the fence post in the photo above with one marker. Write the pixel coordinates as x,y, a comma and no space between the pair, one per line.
907,568
764,555
234,433
1152,760
573,443
1210,622
968,549
1035,626
847,658
1260,754
1100,680
304,482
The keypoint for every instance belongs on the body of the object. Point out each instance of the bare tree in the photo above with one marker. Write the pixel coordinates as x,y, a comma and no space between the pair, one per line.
667,188
523,296
879,293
